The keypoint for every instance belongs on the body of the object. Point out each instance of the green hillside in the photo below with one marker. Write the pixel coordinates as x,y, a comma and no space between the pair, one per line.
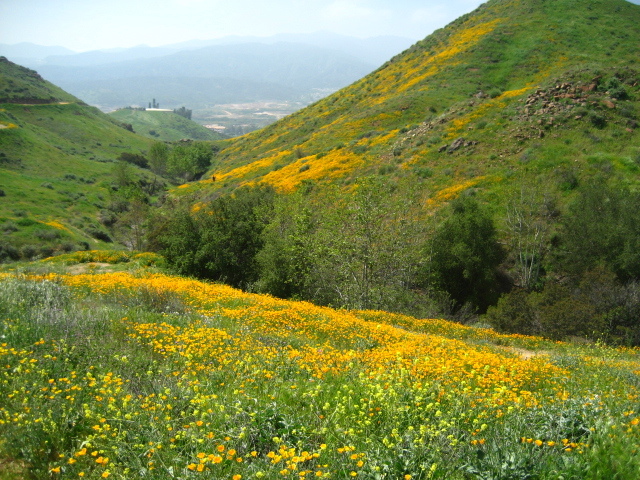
541,85
166,126
57,159
21,85
490,168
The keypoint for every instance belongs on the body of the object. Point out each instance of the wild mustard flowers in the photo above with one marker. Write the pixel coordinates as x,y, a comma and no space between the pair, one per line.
238,385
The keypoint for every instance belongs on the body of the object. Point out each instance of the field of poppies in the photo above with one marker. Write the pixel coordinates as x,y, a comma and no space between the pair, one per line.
138,374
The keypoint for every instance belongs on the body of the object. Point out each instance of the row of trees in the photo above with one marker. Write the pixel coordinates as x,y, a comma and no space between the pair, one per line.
579,271
126,215
364,249
533,269
181,163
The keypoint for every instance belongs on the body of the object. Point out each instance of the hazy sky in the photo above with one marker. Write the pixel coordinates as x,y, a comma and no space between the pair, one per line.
94,24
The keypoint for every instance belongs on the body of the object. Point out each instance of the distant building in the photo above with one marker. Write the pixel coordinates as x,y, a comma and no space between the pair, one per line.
216,128
158,110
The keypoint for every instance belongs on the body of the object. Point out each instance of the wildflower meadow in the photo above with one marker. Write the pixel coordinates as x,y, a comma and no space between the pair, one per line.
137,374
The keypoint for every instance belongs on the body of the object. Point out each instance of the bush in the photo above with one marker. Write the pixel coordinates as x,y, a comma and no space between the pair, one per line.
134,159
8,253
47,235
514,313
29,252
9,227
597,120
562,314
99,234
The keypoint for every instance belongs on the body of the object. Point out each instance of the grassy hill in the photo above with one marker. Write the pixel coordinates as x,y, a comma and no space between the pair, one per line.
57,159
490,168
166,126
112,370
546,87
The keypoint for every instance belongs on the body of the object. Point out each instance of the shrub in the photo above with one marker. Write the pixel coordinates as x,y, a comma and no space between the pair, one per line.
424,172
28,252
514,313
47,235
597,120
8,227
8,253
26,222
98,234
386,169
134,159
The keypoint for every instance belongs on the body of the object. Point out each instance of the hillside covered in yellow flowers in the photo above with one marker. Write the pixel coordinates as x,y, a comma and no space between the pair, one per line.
511,78
118,371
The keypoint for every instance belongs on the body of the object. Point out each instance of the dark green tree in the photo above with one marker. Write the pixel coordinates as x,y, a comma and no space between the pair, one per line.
183,112
602,228
464,255
230,230
175,234
285,260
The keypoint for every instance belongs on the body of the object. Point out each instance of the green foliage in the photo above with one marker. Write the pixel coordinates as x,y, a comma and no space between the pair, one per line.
597,307
220,241
187,162
231,234
285,260
158,156
464,255
134,159
183,112
602,227
514,313
358,249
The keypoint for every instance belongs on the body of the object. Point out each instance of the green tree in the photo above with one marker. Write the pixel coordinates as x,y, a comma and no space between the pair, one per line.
187,162
602,227
355,248
230,235
158,156
285,260
175,235
464,255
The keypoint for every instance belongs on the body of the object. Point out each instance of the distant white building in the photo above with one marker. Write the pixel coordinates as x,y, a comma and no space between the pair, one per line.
216,128
158,110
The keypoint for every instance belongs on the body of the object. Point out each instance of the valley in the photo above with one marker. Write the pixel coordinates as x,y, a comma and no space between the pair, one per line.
428,268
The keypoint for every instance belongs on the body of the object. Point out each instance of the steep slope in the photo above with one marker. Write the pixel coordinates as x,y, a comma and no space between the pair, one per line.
549,87
166,126
57,157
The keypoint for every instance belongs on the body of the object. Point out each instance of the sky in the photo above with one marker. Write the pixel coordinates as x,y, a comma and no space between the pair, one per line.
83,25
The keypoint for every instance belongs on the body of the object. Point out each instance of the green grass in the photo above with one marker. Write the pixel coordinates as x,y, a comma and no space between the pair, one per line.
56,165
164,126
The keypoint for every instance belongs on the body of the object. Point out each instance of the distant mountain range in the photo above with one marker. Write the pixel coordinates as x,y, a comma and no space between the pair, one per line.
200,74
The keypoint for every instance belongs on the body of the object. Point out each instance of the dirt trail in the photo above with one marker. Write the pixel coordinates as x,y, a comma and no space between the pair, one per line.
526,354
